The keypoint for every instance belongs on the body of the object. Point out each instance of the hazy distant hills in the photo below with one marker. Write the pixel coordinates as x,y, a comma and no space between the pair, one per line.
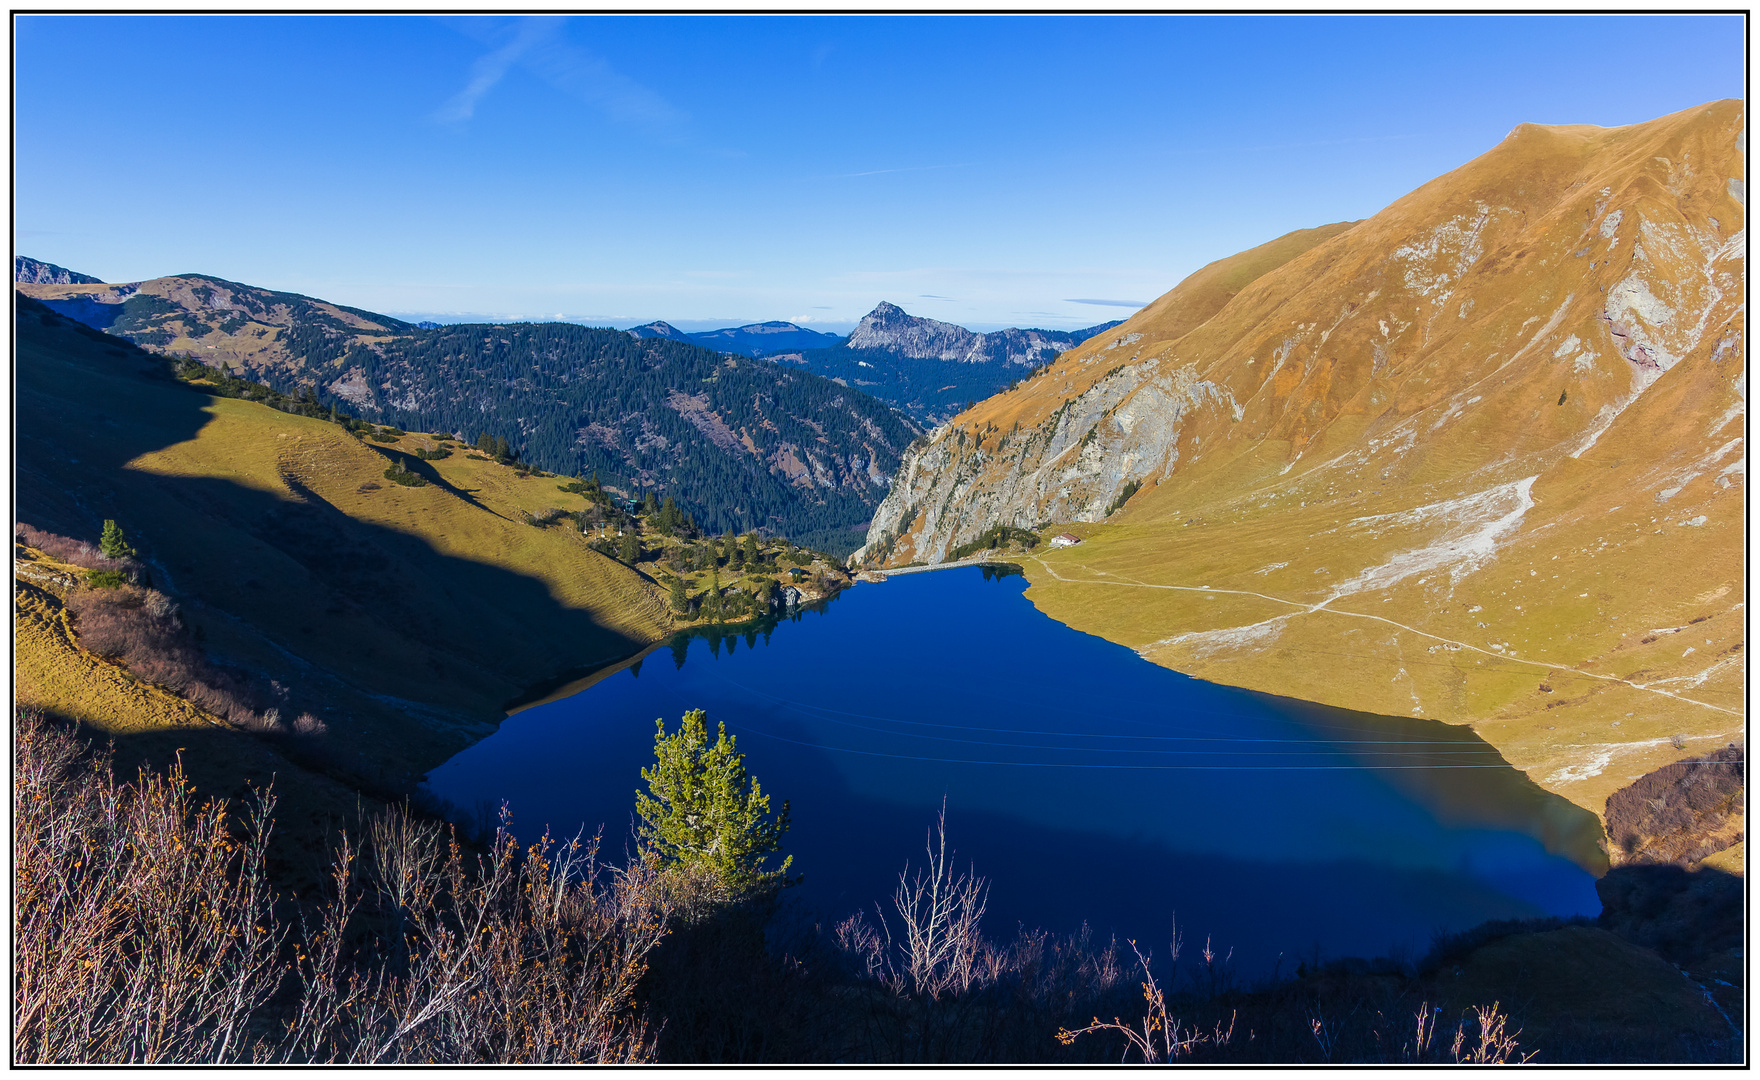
37,272
926,368
1479,457
932,369
739,443
753,339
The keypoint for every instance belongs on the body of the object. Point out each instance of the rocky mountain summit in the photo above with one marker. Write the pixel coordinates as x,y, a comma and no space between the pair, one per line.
37,272
929,369
891,329
1477,458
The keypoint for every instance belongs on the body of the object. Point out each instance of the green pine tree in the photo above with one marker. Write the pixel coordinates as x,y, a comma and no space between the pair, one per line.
703,811
631,551
113,544
680,602
752,549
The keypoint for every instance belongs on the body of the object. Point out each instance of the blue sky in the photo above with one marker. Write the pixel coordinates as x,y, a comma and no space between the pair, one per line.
990,171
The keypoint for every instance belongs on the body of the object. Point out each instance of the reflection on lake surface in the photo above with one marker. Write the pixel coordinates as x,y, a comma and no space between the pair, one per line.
1085,782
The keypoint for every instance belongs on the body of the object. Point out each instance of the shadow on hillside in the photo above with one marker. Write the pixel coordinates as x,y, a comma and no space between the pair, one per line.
422,646
417,466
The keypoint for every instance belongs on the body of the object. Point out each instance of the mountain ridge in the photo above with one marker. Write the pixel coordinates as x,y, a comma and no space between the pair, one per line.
1533,361
739,443
37,272
931,369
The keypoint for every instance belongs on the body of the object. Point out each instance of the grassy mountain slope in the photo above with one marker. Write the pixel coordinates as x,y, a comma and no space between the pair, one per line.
1477,458
737,443
404,616
148,725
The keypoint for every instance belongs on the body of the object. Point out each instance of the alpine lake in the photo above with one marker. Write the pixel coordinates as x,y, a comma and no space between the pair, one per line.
1087,784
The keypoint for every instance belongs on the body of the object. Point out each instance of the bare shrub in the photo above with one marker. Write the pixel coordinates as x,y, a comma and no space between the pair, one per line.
308,725
144,932
516,956
939,910
1494,1046
1489,1044
1678,812
159,606
858,938
80,553
939,949
63,548
1156,1039
141,924
142,630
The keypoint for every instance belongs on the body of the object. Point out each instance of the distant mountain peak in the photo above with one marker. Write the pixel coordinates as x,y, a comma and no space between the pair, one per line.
37,272
748,340
890,327
660,330
896,330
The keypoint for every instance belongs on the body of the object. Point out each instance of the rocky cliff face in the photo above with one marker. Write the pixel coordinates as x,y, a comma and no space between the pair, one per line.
1064,468
37,272
1483,450
890,328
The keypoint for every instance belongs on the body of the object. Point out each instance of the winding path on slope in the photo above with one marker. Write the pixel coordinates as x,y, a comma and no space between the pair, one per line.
1323,606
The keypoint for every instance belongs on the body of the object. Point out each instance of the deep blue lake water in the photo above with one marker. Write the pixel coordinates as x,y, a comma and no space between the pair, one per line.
1086,783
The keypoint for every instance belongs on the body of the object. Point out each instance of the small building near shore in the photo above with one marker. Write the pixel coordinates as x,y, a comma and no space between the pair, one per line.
1065,540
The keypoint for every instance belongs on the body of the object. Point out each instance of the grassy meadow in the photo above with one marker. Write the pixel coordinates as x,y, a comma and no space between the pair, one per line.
405,617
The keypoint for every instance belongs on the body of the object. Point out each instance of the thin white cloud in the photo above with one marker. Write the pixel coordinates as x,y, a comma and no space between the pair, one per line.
589,79
490,69
538,46
1110,303
882,172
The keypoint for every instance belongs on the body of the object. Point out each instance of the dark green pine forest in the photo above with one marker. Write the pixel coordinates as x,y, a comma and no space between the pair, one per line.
738,443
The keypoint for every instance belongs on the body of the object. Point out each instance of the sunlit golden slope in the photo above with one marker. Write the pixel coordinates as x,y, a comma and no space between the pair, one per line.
1479,458
269,334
